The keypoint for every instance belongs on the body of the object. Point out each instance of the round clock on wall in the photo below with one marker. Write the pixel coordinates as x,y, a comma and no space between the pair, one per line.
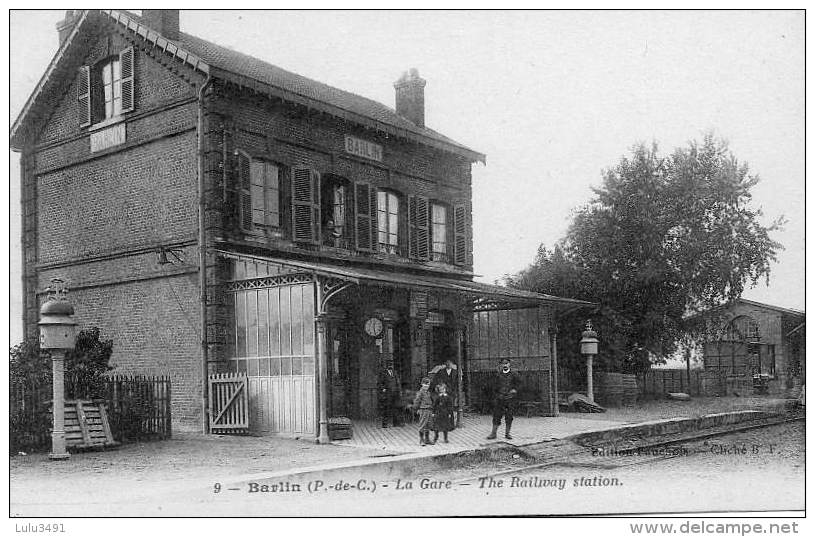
373,327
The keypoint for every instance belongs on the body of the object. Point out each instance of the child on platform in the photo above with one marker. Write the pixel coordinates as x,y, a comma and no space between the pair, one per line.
443,413
423,404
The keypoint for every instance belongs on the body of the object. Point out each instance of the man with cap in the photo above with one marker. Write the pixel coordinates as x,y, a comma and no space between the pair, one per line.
390,396
505,391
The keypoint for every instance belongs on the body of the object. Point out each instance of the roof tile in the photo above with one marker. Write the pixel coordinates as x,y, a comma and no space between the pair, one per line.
232,61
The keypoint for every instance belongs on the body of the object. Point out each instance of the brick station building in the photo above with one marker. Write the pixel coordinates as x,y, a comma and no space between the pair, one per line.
213,213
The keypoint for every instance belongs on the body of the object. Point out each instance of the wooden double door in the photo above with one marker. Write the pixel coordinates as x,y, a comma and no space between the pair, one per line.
356,361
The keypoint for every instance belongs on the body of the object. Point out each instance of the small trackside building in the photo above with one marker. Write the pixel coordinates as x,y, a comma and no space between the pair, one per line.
744,338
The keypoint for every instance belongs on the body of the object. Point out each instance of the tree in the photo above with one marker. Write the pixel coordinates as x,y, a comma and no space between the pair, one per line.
663,237
87,362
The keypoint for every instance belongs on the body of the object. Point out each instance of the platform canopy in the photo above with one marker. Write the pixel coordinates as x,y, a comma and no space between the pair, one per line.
484,296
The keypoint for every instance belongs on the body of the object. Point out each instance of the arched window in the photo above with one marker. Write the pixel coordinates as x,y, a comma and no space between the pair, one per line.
742,328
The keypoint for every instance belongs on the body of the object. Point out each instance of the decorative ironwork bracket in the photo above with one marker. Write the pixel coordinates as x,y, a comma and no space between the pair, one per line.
330,287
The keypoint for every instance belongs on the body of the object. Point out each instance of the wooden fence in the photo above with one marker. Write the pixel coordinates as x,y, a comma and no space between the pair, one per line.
138,408
703,382
656,383
534,388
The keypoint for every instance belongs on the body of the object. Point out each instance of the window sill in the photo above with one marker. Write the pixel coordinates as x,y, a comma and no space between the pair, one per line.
338,244
106,123
263,232
390,250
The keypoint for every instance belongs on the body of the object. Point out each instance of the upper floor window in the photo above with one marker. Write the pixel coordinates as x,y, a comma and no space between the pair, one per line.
259,184
335,196
265,189
106,90
388,221
438,231
111,82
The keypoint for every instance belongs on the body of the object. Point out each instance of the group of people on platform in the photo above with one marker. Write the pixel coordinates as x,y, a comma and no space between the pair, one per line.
436,401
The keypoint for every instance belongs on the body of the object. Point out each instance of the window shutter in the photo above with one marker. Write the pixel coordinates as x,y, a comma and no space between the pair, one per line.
419,228
305,206
365,216
372,203
244,192
460,235
128,79
83,95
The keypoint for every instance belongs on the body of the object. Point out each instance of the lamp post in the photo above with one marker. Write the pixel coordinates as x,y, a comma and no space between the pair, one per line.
588,348
58,335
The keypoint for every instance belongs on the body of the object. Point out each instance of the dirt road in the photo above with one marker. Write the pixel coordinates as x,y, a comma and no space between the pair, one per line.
757,470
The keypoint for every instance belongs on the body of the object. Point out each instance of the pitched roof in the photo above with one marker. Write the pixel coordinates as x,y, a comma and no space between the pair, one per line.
786,311
245,70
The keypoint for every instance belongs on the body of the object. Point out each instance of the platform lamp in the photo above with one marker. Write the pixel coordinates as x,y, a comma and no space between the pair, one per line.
57,335
588,348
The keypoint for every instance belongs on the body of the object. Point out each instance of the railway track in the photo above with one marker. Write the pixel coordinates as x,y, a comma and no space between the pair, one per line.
619,455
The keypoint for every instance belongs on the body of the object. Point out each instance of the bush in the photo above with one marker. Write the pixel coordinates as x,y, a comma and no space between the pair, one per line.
29,364
30,385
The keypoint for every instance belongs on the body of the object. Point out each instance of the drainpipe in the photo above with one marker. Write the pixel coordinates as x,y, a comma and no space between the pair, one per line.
202,259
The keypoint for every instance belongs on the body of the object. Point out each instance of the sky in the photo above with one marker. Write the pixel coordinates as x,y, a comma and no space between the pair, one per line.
551,97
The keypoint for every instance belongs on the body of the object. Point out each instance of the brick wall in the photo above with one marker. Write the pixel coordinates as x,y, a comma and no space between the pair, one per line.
97,219
145,195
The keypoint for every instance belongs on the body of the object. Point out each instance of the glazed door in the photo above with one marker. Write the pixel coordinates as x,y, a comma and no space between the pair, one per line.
274,346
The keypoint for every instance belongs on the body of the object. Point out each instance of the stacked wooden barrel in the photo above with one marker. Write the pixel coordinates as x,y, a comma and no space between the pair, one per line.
609,389
616,389
630,390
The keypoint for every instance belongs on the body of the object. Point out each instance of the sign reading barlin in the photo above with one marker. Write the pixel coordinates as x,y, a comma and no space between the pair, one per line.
109,137
362,148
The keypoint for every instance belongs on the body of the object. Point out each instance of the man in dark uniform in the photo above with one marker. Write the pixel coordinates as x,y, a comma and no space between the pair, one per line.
505,393
390,397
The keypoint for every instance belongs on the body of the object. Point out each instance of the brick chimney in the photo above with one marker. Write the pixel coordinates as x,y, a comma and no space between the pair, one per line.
410,96
66,25
164,21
